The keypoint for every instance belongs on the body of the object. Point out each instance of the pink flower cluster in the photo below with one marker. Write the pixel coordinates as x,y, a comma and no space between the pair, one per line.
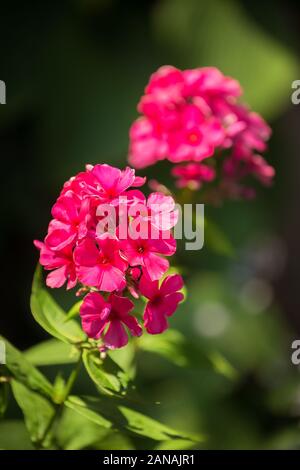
108,267
193,115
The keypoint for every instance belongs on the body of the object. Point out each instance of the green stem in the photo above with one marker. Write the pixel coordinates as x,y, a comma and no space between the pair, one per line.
59,407
72,378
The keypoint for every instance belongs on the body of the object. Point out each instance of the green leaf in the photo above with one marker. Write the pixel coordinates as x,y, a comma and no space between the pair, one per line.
50,316
148,427
170,345
14,436
106,380
125,359
4,390
24,371
76,432
52,351
38,412
128,420
81,407
74,311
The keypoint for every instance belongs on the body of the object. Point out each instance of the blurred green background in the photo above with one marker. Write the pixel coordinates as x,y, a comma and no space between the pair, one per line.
74,71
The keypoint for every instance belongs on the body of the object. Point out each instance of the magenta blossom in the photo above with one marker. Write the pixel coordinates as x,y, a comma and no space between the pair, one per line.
163,301
60,263
147,253
99,263
107,319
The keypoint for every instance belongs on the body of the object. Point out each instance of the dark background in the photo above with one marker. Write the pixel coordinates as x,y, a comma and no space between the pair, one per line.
74,72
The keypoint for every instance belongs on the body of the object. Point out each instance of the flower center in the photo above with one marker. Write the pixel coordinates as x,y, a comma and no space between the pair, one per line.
193,138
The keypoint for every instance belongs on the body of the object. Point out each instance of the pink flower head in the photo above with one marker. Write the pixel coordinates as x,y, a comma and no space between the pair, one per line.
99,263
84,245
193,175
163,301
107,319
191,115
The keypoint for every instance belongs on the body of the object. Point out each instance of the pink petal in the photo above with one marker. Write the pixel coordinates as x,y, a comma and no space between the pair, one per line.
111,279
139,181
90,275
59,239
171,284
155,266
108,176
57,277
94,313
86,253
133,325
170,303
155,323
147,287
121,305
116,336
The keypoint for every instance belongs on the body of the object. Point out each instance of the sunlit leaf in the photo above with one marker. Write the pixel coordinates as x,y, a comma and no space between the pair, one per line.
38,412
76,431
129,420
125,359
52,352
24,371
50,316
140,424
106,381
80,406
170,345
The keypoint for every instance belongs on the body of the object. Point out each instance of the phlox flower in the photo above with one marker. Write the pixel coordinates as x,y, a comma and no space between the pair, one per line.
99,264
108,319
60,263
146,252
162,303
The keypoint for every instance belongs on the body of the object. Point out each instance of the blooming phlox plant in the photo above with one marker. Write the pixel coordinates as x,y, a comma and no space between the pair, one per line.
195,120
110,240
